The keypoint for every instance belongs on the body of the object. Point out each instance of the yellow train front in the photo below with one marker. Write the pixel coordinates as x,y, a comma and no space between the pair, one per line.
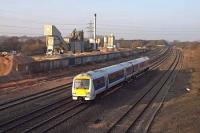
82,87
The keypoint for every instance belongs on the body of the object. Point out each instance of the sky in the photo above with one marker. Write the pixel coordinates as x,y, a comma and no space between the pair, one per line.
128,19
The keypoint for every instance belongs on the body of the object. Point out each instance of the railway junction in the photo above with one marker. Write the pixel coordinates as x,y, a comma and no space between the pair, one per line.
127,107
129,67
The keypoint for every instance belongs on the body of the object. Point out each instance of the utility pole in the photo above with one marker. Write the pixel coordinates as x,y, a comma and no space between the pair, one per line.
95,45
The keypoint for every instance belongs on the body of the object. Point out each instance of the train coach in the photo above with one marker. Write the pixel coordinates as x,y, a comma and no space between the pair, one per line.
87,85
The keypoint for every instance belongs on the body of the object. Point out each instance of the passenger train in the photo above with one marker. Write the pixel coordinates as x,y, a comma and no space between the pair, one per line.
87,85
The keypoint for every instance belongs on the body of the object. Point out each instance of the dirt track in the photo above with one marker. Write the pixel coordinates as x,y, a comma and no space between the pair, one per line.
181,110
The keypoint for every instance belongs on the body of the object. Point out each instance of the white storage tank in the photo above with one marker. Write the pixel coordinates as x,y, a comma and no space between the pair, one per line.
111,41
105,41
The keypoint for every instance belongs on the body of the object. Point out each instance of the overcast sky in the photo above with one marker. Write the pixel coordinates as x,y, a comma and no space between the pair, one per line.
129,19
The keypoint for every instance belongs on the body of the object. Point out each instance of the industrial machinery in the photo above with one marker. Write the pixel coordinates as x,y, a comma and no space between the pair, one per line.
87,85
54,41
77,41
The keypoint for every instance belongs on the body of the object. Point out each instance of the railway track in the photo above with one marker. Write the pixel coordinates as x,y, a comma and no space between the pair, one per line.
46,129
159,60
65,115
133,116
23,120
145,120
70,109
49,124
58,89
34,96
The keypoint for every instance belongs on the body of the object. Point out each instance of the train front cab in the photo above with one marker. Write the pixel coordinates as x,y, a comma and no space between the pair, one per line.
82,88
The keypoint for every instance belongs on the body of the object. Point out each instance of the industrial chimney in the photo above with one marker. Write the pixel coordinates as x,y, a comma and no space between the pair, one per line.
95,45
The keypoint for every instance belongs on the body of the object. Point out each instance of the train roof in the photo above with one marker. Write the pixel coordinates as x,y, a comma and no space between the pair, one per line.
126,64
96,73
110,69
139,60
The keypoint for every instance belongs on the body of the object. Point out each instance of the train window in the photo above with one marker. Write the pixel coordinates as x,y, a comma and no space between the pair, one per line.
116,76
129,70
135,67
81,84
99,83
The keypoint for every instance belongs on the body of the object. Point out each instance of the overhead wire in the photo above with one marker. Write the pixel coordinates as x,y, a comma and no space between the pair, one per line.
104,28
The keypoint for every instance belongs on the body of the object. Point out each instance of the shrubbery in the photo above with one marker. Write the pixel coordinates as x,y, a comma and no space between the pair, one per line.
25,45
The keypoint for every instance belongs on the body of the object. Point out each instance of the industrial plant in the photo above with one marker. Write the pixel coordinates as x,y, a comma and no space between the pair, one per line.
56,43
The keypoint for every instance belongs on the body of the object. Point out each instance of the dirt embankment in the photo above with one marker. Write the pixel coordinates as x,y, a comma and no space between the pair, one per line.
181,110
8,66
5,65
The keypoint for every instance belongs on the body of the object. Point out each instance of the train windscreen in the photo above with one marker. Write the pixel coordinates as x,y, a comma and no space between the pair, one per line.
81,84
